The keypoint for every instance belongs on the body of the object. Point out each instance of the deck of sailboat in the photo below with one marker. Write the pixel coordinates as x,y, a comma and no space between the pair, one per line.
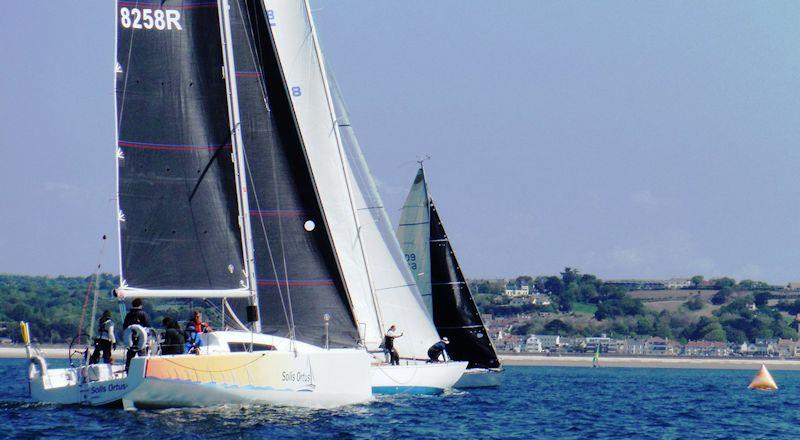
278,371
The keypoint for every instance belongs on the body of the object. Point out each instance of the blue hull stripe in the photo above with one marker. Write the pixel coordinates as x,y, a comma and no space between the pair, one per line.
406,390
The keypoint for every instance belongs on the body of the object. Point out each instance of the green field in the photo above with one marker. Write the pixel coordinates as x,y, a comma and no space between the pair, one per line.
585,308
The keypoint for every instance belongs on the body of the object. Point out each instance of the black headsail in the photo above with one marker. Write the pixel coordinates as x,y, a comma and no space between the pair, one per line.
177,192
454,311
298,277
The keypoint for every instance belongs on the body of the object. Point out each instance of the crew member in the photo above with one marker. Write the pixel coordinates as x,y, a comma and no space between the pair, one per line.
194,328
105,342
388,344
173,339
136,315
437,351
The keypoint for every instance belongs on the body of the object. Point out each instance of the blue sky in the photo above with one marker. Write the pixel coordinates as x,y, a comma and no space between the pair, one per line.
627,139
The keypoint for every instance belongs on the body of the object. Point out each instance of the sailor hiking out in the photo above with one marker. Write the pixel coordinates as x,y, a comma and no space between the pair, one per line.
437,351
388,345
105,342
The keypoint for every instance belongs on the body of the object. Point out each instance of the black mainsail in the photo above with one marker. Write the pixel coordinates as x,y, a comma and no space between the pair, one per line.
177,192
454,311
212,165
299,281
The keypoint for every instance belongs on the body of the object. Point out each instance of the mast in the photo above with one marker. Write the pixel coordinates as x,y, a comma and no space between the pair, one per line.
342,162
238,157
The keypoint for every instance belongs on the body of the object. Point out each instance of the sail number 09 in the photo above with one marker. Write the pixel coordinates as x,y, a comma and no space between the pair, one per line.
159,19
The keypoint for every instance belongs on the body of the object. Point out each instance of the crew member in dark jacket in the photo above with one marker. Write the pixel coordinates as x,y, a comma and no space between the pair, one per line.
105,342
437,350
388,344
135,316
173,339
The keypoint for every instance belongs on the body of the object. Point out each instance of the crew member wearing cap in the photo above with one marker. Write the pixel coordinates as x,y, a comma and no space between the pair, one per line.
437,351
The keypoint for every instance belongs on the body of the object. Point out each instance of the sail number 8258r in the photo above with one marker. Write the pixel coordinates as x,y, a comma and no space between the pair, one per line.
159,19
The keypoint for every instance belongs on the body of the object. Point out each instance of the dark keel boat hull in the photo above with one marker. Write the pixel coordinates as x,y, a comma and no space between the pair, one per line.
480,378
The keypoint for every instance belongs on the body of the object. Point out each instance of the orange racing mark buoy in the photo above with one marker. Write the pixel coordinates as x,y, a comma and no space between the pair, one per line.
763,380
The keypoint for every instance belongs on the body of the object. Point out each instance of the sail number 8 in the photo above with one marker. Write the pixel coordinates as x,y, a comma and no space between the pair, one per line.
158,19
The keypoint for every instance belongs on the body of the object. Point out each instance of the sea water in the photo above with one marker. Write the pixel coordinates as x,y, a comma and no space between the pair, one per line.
533,402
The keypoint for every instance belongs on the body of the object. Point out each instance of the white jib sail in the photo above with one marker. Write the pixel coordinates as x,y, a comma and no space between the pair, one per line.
414,233
398,300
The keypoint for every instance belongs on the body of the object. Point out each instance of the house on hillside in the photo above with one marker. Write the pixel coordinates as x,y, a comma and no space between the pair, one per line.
513,292
533,345
656,346
634,346
541,299
678,283
706,348
507,342
548,341
761,347
630,284
787,348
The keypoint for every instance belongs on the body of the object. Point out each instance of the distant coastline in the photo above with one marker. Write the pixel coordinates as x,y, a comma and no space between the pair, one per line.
540,360
534,360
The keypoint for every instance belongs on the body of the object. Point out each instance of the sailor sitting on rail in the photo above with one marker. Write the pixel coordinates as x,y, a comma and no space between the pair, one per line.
193,330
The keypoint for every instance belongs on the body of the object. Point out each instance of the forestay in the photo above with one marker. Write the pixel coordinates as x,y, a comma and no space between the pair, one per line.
177,194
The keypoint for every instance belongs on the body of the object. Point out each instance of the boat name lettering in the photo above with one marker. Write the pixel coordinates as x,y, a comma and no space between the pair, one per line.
158,19
295,376
108,388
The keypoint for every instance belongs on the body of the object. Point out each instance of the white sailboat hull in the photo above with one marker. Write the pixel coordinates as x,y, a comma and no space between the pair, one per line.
307,377
415,378
480,378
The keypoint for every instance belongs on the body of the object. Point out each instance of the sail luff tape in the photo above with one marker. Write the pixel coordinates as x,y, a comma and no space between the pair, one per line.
23,327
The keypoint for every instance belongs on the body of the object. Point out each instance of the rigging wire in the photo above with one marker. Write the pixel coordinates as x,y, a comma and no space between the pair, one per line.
92,283
287,308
